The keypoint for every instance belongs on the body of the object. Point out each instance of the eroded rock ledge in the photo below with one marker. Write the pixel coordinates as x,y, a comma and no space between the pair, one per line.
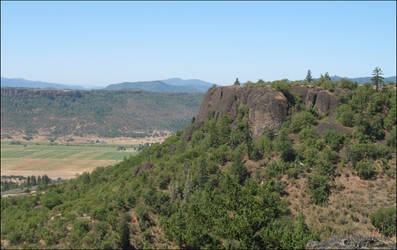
354,242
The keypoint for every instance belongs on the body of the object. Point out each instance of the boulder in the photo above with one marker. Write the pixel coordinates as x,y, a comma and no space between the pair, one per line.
145,166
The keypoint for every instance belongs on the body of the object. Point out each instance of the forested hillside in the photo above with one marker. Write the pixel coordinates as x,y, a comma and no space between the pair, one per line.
326,167
102,113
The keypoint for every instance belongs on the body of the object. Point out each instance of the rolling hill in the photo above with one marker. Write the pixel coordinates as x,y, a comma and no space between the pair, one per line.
105,113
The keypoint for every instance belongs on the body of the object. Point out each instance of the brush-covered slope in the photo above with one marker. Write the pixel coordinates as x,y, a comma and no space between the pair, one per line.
96,112
215,185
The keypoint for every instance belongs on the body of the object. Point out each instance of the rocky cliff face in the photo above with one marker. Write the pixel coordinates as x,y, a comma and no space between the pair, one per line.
322,100
268,107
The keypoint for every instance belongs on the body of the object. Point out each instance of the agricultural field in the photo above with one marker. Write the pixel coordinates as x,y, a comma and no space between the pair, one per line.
58,161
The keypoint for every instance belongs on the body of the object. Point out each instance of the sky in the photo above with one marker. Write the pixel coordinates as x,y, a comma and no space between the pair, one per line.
100,43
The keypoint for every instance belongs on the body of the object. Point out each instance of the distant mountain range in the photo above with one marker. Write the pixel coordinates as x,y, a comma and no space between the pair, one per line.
168,85
23,83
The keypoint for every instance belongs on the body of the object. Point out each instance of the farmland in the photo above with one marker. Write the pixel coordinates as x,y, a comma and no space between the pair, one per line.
55,160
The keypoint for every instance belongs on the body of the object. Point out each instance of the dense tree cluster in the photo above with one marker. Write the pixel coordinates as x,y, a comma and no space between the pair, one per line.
25,182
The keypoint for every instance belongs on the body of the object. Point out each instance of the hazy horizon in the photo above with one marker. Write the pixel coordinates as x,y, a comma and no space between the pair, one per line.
100,43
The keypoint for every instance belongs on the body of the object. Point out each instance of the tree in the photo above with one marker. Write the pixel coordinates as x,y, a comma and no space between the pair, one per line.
377,78
125,233
327,77
309,77
237,82
283,144
45,179
238,170
33,180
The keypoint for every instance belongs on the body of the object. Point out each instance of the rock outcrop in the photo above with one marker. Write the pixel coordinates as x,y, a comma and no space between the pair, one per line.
143,167
322,100
268,107
354,242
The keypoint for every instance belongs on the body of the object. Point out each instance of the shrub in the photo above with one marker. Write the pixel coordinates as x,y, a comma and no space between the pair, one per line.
51,200
311,156
283,144
293,173
384,219
275,169
348,84
319,188
281,85
345,115
334,139
265,144
359,151
391,138
303,120
237,169
221,154
307,133
365,169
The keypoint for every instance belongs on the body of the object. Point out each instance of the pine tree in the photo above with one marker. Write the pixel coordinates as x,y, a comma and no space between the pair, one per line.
28,182
327,77
33,180
45,179
237,169
377,78
237,82
125,234
309,77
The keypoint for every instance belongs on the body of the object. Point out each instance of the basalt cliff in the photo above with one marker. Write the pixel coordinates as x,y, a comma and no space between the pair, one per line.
268,107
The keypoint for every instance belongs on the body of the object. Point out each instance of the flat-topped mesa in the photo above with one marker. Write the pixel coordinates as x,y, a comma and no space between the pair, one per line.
268,107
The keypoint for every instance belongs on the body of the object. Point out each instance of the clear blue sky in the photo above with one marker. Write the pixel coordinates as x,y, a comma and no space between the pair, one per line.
98,43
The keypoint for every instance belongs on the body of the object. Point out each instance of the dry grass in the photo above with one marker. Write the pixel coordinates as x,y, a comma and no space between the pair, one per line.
349,205
53,168
87,139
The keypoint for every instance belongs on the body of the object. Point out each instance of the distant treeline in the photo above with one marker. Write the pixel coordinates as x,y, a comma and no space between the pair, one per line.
10,182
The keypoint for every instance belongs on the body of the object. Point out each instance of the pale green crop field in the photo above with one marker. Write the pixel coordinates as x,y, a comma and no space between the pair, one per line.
63,161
